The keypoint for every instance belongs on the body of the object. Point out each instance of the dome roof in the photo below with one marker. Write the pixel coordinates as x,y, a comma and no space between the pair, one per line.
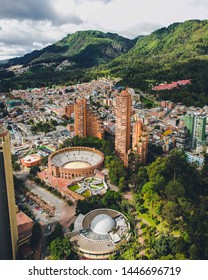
102,224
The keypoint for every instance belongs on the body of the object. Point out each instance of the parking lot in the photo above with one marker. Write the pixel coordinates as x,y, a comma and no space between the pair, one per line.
64,213
39,213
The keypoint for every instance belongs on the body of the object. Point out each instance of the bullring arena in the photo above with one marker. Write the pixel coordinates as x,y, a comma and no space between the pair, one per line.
73,162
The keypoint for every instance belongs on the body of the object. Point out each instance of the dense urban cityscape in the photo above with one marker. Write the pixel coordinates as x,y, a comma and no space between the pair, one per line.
101,172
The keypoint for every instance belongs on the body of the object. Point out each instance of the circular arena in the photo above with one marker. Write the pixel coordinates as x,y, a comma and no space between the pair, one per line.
75,162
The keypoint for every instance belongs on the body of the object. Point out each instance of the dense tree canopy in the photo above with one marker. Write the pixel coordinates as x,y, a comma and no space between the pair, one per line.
172,196
60,248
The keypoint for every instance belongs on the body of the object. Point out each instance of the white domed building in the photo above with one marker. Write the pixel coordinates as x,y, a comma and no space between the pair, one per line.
99,234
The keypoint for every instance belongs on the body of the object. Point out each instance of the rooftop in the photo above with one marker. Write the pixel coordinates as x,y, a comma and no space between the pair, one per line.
102,224
31,158
24,225
97,234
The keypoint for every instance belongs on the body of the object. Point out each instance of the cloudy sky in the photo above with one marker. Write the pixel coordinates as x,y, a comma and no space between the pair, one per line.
26,25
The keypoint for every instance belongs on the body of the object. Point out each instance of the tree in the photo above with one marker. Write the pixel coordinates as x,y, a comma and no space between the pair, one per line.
193,251
151,198
18,183
44,160
16,166
133,163
153,152
60,248
84,206
54,122
111,199
176,163
116,170
36,235
180,256
142,179
34,170
9,127
171,212
58,232
204,175
174,190
156,173
122,184
163,246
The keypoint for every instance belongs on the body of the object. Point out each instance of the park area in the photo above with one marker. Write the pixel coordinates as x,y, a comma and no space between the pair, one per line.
90,186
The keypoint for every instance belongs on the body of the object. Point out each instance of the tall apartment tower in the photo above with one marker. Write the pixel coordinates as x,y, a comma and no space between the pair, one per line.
94,125
140,141
8,223
80,117
199,130
183,139
142,147
196,125
123,125
86,122
69,110
136,133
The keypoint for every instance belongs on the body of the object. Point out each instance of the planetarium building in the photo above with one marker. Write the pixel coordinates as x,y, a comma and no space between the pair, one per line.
99,234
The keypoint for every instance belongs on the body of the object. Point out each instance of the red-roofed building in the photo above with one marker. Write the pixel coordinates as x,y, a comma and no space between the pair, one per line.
172,85
24,226
184,82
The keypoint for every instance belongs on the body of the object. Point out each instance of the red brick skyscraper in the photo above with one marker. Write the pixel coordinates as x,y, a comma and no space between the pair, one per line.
80,118
86,122
140,141
123,125
69,110
136,133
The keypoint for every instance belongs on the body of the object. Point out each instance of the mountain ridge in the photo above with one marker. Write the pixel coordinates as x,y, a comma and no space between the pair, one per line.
73,47
179,51
167,54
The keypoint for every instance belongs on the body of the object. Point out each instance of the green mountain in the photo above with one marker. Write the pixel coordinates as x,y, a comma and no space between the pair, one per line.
166,54
83,49
179,51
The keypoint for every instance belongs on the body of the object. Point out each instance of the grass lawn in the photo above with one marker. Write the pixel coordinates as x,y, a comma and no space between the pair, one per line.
96,186
88,180
86,194
147,219
74,188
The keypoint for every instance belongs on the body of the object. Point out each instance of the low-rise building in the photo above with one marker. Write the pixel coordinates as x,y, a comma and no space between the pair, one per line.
31,160
195,158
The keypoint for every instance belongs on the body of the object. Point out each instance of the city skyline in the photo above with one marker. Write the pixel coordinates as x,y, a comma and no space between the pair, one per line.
29,25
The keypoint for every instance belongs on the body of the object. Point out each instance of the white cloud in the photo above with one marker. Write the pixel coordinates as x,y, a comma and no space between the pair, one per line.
29,24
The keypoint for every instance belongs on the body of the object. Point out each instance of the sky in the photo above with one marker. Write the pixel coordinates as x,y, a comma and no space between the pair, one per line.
26,25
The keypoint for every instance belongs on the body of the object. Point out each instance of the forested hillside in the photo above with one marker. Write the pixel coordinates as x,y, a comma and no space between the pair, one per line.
177,52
